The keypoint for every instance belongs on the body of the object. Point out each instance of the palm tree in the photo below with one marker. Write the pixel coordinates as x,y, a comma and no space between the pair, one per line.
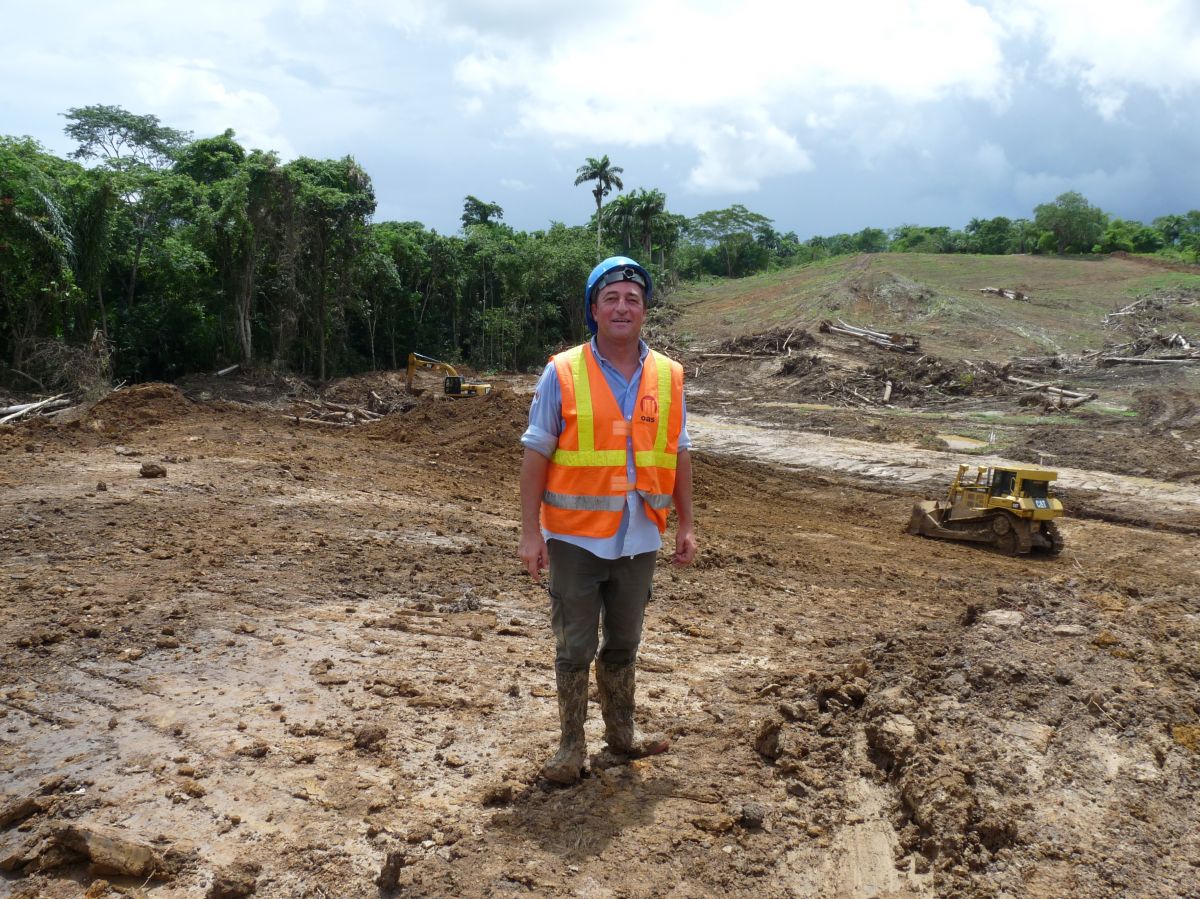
648,206
606,176
620,215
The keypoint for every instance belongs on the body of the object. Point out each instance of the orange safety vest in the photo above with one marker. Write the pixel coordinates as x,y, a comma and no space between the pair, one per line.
586,481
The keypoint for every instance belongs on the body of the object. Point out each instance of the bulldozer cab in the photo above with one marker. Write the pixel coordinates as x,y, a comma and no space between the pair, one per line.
1004,482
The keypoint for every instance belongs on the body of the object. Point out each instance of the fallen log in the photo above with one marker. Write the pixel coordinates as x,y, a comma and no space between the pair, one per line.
904,343
1072,403
296,419
15,412
1034,385
1108,361
225,371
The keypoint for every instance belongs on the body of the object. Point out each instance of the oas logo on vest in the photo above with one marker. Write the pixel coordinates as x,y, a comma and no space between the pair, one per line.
649,409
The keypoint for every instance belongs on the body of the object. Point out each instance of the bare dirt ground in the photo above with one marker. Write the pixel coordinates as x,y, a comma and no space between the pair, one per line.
307,656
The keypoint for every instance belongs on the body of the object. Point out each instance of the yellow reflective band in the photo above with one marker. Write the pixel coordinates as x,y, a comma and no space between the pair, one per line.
584,415
655,459
664,407
594,458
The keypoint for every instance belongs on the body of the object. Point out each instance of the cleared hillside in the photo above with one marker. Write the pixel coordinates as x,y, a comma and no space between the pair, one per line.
937,297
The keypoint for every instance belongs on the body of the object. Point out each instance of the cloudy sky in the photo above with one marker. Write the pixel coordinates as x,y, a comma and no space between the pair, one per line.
825,116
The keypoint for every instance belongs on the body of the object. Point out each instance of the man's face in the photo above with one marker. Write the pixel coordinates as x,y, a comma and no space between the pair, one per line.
619,310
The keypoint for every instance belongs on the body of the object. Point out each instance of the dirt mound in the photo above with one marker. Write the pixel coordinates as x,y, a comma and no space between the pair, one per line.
140,406
258,386
1167,410
388,388
473,426
900,296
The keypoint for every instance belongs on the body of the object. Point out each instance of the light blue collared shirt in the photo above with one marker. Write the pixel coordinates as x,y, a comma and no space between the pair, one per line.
636,533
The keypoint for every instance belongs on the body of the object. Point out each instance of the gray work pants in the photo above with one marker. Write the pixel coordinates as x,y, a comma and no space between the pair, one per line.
587,592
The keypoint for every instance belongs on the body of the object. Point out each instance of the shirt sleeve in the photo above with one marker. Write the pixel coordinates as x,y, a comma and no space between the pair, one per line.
545,415
685,442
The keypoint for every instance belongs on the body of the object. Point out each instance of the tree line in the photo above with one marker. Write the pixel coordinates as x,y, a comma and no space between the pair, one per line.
174,254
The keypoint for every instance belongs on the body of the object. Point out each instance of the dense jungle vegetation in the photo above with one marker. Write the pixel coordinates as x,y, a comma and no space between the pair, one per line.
161,254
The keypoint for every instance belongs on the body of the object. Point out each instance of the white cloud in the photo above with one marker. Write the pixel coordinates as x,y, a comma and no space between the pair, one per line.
1109,47
733,82
208,105
515,184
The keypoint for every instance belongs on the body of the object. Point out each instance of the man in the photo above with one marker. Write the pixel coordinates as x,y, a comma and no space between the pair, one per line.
606,455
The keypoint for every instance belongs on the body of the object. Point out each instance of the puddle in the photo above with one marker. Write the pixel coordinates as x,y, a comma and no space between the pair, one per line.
959,442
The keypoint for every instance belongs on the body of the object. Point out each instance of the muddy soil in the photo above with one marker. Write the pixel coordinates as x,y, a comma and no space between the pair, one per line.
305,662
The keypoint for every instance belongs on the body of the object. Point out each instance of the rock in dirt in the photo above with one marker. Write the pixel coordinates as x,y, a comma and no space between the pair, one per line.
751,815
1002,618
236,881
152,470
110,851
766,742
389,874
369,736
1070,630
15,810
501,793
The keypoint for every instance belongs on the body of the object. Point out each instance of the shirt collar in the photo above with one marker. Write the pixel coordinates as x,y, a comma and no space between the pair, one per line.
643,352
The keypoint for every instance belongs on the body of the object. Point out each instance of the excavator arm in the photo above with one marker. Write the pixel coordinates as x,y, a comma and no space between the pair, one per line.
453,384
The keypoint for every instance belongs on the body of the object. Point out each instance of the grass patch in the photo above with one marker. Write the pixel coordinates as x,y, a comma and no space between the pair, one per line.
937,298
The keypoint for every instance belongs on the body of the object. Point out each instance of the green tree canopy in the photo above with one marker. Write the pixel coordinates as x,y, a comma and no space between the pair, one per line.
1075,223
113,133
477,212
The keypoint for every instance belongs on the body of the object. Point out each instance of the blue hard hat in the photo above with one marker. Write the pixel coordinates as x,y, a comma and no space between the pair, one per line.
611,270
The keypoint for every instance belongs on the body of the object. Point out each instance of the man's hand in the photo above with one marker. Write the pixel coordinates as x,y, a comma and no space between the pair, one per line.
685,547
533,553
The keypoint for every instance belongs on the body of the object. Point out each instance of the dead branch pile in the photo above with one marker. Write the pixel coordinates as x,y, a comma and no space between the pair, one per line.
326,412
899,381
1142,319
1006,292
776,342
1150,309
904,343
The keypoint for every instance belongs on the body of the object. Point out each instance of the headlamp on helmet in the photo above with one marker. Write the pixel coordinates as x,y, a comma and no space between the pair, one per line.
626,273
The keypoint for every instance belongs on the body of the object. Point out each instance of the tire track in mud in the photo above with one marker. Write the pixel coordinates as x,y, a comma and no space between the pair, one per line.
1122,499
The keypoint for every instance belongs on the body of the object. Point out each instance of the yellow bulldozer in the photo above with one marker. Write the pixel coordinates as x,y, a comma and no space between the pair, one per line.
1009,508
453,384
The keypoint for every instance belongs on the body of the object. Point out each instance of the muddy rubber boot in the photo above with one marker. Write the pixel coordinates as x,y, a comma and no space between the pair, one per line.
616,685
567,764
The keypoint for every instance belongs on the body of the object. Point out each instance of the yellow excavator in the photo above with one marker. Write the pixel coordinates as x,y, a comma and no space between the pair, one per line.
1010,508
453,384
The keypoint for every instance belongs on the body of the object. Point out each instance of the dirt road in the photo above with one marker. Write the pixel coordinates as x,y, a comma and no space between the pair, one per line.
1112,497
307,654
